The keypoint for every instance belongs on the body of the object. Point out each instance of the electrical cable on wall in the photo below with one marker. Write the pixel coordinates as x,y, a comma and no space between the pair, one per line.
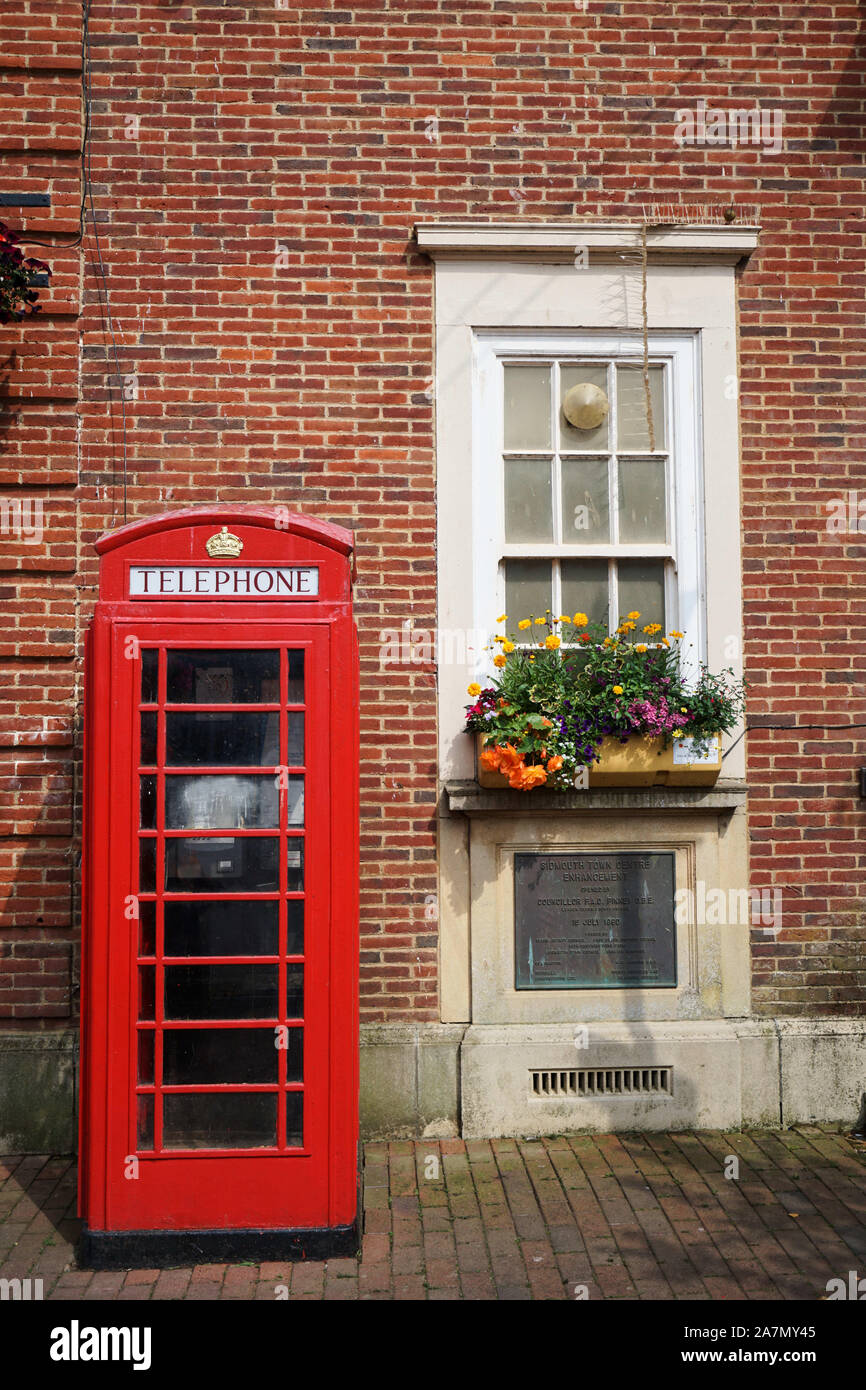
87,200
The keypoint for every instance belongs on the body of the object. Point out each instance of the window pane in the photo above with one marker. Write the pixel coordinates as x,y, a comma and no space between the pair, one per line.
147,803
642,512
295,1055
295,790
223,677
147,929
631,409
149,668
148,739
585,588
585,503
295,866
221,803
296,677
146,993
295,1119
571,437
528,500
642,588
224,740
527,407
221,991
527,589
294,991
147,866
146,1038
239,1120
296,739
235,928
295,943
215,1056
145,1122
222,864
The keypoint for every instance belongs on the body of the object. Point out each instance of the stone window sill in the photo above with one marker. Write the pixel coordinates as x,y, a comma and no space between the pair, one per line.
467,798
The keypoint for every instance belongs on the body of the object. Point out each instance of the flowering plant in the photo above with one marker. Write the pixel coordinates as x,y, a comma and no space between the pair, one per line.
564,684
18,275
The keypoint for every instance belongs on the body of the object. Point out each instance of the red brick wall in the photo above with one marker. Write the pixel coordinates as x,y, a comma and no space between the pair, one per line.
225,132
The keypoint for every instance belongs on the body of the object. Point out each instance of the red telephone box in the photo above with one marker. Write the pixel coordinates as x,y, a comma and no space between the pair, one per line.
220,1031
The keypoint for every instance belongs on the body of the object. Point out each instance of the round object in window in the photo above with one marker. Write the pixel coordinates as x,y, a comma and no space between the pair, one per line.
585,406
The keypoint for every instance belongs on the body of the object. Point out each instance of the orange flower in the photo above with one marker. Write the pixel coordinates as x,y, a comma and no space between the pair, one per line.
554,764
525,778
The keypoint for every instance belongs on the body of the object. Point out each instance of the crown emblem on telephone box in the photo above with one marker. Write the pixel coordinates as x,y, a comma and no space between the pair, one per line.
224,543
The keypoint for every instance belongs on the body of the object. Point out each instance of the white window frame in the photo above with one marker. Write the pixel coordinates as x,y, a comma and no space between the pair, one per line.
685,590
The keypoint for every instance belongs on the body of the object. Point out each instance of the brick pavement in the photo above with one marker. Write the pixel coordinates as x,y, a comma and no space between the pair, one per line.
629,1216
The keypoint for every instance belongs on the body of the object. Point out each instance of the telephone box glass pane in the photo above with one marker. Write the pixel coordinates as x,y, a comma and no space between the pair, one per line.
147,803
145,1122
295,1119
296,739
296,677
221,991
214,1056
146,992
147,929
221,803
295,1055
294,991
237,1120
149,675
234,928
222,740
296,801
295,932
222,864
295,865
148,739
147,866
146,1038
223,678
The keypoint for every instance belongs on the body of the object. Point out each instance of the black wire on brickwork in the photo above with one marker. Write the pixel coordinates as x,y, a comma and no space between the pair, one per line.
87,201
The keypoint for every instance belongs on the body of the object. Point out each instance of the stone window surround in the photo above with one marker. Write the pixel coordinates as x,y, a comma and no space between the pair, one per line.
520,278
501,277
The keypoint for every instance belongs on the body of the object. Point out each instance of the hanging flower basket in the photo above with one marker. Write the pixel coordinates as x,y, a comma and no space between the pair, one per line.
573,706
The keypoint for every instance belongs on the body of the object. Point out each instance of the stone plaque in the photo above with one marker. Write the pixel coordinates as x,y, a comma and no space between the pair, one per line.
594,921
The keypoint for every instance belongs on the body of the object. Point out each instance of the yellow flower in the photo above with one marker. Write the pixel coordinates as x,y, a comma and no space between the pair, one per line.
552,642
609,642
675,634
473,689
663,642
617,690
498,638
563,618
677,733
524,623
500,660
531,656
633,616
508,646
580,620
641,647
683,709
626,627
542,622
502,617
652,628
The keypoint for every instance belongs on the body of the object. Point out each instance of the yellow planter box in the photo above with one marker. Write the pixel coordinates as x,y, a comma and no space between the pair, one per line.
641,762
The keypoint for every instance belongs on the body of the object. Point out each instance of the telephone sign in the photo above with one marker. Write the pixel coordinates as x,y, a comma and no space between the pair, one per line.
220,1033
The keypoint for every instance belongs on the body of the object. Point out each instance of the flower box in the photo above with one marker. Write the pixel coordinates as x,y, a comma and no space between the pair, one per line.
642,761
